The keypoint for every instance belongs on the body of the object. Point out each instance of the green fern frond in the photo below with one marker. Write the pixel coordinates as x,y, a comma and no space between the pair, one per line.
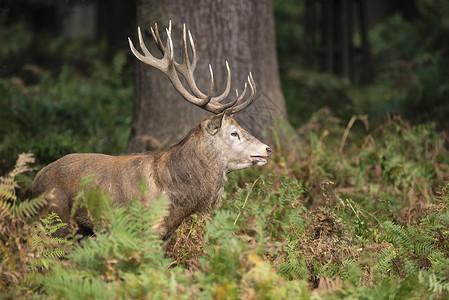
51,223
46,247
36,240
435,285
72,285
294,265
424,249
384,263
128,236
41,263
55,253
440,264
46,241
27,209
58,240
31,278
293,269
97,202
397,235
408,265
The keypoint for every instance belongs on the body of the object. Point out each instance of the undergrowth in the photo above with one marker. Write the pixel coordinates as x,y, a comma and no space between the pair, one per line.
27,248
82,105
368,238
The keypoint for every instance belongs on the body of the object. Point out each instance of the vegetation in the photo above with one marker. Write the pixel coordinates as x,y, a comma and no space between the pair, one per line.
360,210
410,76
381,231
71,107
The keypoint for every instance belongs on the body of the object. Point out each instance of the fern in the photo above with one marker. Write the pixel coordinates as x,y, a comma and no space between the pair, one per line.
129,250
62,286
8,183
25,245
9,207
47,247
397,235
7,188
55,253
435,285
424,249
222,247
440,264
51,224
415,251
120,231
6,207
294,266
384,263
96,201
27,209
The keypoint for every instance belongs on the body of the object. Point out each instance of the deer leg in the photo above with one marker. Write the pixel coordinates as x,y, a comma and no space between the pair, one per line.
85,224
60,206
171,222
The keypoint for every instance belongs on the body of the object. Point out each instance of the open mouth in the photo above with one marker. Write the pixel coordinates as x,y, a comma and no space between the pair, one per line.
259,159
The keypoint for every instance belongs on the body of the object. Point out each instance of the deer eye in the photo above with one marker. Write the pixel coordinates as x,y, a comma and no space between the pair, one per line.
235,134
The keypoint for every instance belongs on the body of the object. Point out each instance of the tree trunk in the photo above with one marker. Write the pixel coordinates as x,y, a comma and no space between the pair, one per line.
241,32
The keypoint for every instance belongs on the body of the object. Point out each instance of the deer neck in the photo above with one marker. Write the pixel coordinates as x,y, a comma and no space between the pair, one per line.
195,170
196,154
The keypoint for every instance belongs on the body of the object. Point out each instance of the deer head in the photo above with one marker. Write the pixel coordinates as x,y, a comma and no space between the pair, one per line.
221,130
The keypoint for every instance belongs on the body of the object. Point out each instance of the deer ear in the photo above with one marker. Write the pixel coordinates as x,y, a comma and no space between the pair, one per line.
214,124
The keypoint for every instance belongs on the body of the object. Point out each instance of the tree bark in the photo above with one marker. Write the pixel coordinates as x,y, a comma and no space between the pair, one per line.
241,32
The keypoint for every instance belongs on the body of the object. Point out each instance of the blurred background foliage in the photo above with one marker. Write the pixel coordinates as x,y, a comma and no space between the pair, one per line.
61,94
410,67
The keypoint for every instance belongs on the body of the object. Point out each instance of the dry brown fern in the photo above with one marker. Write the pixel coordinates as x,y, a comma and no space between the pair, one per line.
16,224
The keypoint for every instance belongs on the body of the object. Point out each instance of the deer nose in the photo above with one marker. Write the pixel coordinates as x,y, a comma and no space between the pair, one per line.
269,151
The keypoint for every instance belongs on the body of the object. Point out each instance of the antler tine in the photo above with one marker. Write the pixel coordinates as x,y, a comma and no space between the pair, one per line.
220,98
144,48
243,94
192,45
157,38
186,68
237,98
186,59
169,49
148,58
173,76
211,87
218,108
191,67
252,86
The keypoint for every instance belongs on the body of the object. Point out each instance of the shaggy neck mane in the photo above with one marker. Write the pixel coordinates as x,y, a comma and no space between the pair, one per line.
196,171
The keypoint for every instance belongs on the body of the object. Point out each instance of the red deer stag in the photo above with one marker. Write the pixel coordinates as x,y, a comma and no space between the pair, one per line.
190,174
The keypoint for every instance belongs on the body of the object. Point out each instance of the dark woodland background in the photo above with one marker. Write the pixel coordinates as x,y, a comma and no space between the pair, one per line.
374,58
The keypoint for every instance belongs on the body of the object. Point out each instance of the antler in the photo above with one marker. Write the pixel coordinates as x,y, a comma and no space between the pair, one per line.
171,68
